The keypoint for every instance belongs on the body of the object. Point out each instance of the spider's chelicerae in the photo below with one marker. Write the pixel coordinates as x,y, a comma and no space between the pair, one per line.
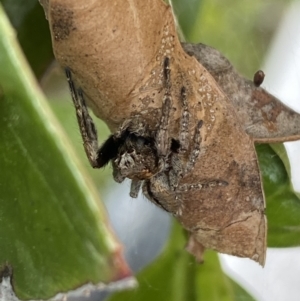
152,159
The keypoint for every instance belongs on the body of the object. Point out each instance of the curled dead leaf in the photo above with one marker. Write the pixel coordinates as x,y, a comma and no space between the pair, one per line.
264,117
126,57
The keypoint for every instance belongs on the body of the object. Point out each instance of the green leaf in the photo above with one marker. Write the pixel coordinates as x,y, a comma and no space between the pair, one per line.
239,293
53,229
234,27
176,276
283,204
32,31
187,12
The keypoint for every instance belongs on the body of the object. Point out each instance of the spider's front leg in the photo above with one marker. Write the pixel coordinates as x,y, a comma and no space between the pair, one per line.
196,148
177,171
184,123
162,139
98,157
194,154
179,166
86,125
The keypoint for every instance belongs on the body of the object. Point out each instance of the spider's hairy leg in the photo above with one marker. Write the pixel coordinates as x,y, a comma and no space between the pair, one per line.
205,184
196,148
184,123
108,150
125,125
185,188
167,74
86,125
149,194
162,137
178,171
135,188
162,140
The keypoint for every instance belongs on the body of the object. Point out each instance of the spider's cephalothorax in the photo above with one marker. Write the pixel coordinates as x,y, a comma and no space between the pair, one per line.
132,156
153,157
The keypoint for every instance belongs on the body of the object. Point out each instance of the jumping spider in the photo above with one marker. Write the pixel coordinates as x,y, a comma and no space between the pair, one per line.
157,160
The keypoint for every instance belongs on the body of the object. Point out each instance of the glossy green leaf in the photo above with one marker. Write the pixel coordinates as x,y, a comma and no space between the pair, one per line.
283,204
176,276
53,229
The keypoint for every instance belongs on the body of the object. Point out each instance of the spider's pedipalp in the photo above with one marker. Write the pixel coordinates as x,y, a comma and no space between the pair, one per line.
135,188
116,172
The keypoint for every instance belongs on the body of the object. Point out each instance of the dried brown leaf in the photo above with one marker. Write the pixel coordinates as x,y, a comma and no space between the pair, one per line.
116,52
109,46
264,117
